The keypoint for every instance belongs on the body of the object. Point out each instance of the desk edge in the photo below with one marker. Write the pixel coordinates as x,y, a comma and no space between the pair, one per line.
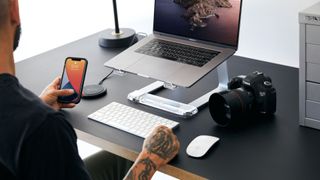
132,155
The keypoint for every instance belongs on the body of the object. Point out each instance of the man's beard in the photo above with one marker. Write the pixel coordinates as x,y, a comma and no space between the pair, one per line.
17,37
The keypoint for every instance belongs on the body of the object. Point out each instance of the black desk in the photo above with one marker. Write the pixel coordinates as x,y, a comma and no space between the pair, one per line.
276,148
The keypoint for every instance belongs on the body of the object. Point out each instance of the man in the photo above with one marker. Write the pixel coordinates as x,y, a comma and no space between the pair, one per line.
36,142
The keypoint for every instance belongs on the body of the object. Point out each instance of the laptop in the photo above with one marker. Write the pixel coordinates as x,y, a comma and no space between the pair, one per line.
184,31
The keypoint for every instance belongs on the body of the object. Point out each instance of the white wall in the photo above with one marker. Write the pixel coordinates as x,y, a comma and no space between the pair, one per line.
269,28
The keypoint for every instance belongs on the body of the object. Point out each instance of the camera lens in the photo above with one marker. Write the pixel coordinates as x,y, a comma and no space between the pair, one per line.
228,107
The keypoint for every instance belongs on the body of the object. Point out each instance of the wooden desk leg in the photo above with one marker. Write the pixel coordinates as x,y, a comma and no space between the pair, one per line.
131,155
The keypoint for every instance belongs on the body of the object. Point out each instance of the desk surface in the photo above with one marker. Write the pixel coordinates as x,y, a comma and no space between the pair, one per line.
276,148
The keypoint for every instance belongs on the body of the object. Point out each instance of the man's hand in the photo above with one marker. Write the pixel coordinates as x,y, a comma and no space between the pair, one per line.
158,149
50,95
163,144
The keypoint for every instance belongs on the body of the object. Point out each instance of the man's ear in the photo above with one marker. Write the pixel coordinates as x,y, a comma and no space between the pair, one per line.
14,12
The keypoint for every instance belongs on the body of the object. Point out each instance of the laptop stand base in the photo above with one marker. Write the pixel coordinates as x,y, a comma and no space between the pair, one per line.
144,96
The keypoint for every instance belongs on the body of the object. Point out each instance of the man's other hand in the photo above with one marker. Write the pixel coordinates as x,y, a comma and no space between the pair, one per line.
50,95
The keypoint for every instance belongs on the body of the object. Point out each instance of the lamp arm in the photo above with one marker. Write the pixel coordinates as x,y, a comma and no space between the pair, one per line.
116,22
114,38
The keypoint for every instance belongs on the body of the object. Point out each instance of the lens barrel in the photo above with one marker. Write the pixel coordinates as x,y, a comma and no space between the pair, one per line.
228,107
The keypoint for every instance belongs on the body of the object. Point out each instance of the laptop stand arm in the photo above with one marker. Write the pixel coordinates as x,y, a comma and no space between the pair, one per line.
143,96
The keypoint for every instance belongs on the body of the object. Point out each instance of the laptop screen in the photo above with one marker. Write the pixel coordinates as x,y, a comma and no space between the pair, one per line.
215,21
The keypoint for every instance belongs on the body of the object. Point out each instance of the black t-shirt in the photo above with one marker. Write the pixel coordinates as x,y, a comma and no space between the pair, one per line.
36,142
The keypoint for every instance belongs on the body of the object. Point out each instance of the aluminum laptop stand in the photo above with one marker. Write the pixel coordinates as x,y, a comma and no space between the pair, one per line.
144,96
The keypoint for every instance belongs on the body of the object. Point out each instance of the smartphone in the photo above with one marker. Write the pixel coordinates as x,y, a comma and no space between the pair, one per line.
73,76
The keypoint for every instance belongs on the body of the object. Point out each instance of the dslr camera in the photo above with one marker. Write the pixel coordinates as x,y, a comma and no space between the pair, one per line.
246,95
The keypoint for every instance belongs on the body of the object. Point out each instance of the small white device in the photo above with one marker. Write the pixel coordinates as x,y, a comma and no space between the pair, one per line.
130,120
200,145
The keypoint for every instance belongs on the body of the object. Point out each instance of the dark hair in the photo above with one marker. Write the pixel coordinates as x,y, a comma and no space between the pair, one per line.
4,5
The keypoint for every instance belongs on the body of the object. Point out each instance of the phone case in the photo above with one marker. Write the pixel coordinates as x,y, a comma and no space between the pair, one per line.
78,98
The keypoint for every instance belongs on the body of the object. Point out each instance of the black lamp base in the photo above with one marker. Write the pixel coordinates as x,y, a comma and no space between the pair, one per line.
125,38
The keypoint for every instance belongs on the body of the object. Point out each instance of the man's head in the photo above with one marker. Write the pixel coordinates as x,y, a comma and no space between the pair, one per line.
9,34
9,15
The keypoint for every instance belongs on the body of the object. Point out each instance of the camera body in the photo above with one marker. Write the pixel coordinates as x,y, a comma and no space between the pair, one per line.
246,95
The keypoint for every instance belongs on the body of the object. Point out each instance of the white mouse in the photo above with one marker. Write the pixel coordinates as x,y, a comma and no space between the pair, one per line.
200,145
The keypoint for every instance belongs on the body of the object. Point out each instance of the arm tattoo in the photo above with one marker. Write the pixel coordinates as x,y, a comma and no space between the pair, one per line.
162,145
149,167
130,175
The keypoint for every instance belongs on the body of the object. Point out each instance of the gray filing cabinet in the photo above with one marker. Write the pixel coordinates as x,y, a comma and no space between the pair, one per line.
309,72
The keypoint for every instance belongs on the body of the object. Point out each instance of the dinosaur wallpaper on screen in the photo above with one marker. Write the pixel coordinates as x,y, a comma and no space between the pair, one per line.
209,20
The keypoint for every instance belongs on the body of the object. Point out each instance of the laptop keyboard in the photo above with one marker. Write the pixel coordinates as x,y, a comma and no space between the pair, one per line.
178,52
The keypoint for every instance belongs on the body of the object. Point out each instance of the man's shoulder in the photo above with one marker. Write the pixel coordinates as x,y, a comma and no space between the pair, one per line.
26,113
19,107
22,112
22,116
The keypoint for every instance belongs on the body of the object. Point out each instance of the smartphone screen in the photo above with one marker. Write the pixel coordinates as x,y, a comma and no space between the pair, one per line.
73,78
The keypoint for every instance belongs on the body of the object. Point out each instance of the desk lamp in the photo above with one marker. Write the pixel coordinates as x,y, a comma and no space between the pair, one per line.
117,38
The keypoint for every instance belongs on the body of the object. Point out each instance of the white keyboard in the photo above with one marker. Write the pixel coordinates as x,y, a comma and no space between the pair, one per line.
130,119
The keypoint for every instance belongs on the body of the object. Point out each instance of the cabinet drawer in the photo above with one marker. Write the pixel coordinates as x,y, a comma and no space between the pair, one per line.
313,110
313,91
313,72
313,34
313,53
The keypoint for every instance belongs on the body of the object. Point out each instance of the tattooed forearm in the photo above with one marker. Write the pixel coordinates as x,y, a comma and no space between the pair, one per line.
158,149
161,144
149,169
129,176
142,170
